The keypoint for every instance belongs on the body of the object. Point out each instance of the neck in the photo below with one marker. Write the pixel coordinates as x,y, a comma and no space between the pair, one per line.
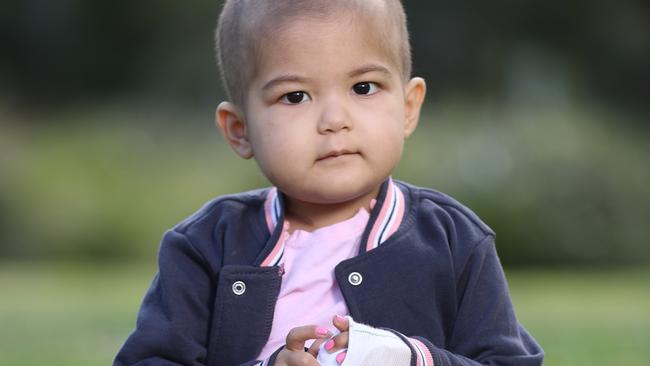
310,216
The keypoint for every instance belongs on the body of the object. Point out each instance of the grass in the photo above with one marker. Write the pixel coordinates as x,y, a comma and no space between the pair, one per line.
66,315
80,314
586,318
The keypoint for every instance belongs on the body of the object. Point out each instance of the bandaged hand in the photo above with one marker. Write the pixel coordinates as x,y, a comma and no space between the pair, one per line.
366,346
333,351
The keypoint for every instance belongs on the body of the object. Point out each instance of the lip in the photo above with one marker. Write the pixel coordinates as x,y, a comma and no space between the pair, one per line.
335,154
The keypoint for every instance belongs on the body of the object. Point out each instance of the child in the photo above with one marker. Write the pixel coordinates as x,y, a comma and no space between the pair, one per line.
321,97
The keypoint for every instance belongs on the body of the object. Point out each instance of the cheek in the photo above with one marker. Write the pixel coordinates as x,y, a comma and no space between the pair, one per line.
265,134
277,147
386,131
386,121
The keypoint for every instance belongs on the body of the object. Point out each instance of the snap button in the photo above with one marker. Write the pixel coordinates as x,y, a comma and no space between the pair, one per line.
355,278
238,288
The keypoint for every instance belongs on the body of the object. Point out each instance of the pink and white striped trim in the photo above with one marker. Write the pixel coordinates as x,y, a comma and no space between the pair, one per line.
272,214
272,209
422,355
390,217
275,257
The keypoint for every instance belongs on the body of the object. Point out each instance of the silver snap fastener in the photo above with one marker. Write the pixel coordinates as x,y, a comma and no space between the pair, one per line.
238,288
355,278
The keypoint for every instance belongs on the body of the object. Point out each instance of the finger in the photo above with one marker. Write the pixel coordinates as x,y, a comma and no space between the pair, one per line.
341,323
341,357
337,343
315,347
298,336
282,358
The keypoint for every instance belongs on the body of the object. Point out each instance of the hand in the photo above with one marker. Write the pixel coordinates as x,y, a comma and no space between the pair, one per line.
340,341
294,353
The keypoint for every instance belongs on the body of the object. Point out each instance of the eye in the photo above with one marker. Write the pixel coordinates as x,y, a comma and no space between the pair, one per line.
365,88
295,97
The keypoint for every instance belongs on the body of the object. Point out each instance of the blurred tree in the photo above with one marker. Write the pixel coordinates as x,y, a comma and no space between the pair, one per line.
470,47
60,51
525,136
54,50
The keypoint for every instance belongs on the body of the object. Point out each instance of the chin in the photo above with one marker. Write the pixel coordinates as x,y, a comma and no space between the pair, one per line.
339,192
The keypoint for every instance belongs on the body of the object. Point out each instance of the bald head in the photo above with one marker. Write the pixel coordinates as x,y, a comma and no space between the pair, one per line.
247,26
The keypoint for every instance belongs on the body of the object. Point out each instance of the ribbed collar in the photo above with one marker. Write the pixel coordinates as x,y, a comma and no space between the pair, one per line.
385,218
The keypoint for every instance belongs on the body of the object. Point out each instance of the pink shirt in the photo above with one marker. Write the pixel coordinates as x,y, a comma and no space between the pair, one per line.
309,294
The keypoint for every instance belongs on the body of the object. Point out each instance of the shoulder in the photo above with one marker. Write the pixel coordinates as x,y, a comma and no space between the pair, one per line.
435,214
224,208
229,227
449,229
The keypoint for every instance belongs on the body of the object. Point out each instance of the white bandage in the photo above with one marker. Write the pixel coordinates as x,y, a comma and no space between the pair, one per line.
368,346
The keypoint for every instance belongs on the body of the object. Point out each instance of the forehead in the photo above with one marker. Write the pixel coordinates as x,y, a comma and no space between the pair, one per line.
337,37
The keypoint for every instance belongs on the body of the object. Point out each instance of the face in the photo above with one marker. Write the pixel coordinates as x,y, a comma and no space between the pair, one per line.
328,112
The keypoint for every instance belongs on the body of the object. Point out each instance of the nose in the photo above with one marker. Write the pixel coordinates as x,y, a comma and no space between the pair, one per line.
335,116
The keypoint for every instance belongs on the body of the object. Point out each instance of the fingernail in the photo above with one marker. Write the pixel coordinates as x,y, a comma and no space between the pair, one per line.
322,331
329,345
341,318
341,357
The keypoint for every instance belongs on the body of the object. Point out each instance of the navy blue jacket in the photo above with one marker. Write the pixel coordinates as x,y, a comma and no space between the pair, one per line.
437,279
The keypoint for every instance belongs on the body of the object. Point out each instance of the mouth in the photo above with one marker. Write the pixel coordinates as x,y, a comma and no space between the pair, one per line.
336,154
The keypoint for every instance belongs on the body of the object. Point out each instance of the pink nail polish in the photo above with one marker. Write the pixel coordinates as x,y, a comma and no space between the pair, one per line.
341,357
342,319
322,331
329,345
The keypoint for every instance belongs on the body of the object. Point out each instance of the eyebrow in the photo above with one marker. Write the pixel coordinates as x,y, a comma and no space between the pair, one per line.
285,79
368,68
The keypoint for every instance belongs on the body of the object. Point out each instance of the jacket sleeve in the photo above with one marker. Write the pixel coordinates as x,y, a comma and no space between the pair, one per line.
486,331
172,324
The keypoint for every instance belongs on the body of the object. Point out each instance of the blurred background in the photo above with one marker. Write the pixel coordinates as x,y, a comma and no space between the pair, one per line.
537,118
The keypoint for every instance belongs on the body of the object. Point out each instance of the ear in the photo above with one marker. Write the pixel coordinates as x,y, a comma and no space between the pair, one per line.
230,121
414,94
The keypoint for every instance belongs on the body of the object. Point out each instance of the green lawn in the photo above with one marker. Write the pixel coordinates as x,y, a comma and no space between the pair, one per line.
79,315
